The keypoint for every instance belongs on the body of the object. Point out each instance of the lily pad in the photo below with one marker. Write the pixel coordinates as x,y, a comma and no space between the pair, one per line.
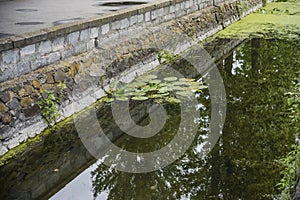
173,100
122,98
139,98
187,79
170,79
177,88
163,90
154,96
138,93
147,77
155,81
181,83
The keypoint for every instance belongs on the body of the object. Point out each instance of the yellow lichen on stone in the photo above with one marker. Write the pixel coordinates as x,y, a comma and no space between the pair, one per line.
36,84
74,69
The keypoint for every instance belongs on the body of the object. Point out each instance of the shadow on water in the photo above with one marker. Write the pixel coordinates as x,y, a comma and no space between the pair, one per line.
242,165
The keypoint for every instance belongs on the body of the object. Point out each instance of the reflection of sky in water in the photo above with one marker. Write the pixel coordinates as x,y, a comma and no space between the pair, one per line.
81,187
237,64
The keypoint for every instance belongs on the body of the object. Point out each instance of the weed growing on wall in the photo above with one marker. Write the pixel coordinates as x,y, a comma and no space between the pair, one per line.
49,102
165,55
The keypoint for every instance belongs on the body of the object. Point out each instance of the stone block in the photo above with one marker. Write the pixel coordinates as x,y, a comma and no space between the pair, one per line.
6,74
45,60
26,51
6,118
172,9
22,137
44,47
21,68
91,44
31,111
59,76
140,18
94,32
153,14
26,101
170,16
80,48
166,11
147,17
84,35
3,150
14,103
124,23
5,96
73,38
116,25
105,29
133,20
66,53
3,108
12,143
177,7
10,56
160,12
187,4
58,44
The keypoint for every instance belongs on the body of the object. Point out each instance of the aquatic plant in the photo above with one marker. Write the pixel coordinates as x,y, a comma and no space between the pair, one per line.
167,89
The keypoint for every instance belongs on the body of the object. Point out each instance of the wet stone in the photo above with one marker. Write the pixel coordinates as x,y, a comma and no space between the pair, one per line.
49,78
3,150
22,92
28,89
31,111
3,108
14,104
60,76
5,97
26,101
36,84
12,143
3,131
6,118
13,92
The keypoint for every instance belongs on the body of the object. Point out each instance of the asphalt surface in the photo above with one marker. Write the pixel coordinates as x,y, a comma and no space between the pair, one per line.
21,16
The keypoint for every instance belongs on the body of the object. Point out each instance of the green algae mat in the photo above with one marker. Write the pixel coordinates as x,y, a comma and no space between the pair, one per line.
280,19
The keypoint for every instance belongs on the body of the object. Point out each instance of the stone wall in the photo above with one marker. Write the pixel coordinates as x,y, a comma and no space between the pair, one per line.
124,44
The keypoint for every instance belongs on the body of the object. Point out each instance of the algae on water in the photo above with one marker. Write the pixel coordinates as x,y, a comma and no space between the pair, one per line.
280,19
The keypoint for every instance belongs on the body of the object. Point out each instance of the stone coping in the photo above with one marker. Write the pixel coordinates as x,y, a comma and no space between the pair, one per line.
22,40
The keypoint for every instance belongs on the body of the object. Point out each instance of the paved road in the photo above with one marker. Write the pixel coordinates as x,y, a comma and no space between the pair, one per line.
20,16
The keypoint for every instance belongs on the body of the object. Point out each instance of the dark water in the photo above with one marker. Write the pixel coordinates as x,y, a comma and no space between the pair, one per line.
242,165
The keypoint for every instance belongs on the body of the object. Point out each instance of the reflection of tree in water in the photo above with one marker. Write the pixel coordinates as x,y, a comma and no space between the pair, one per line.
257,131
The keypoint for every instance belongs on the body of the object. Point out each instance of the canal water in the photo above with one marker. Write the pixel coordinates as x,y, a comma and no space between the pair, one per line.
243,164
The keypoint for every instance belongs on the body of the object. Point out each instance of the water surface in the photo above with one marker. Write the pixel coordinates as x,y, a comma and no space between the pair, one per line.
242,165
